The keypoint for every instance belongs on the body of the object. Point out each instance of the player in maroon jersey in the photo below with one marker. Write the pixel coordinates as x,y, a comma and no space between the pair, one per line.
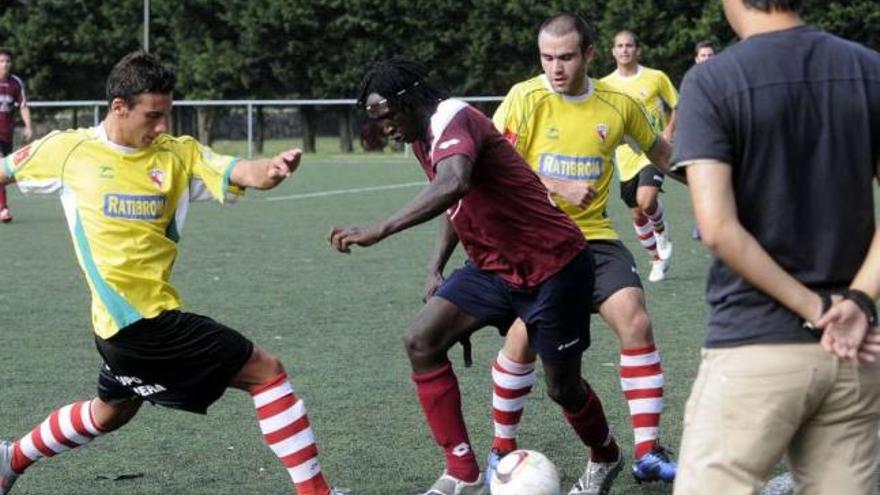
526,259
12,96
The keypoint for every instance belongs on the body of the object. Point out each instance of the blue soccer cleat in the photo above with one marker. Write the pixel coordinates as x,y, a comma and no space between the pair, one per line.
492,461
656,465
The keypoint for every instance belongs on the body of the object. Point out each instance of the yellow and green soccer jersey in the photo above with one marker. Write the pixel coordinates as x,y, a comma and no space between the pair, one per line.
574,138
125,209
655,91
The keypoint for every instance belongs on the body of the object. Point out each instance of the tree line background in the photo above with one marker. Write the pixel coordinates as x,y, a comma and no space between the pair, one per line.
241,49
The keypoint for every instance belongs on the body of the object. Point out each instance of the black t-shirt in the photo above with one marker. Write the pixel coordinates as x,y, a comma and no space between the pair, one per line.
796,114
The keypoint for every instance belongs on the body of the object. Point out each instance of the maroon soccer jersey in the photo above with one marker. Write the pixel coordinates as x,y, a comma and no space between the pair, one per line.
11,96
506,222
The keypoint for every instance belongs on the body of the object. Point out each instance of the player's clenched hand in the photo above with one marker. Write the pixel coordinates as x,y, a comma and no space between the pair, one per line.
341,239
283,164
435,280
576,192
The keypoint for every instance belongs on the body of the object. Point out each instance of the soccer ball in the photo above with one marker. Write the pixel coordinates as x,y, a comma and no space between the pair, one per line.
525,472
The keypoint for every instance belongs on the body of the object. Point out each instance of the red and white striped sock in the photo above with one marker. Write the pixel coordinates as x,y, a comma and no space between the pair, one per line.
513,382
286,429
641,378
67,428
656,218
645,232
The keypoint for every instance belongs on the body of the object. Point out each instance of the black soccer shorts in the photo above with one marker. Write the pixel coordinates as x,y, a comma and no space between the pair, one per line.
647,176
178,360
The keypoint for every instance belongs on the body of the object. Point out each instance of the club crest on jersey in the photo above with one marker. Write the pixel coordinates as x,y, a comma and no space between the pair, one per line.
157,176
553,133
602,131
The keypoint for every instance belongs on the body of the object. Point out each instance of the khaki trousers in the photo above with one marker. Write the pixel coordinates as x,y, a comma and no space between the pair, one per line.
752,405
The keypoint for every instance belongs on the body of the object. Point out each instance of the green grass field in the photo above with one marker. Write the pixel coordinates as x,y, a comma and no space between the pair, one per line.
264,267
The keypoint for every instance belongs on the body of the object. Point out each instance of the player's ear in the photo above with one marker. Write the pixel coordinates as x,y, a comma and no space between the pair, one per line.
588,53
119,106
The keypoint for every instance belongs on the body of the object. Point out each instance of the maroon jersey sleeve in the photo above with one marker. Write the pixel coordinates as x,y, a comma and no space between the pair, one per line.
19,93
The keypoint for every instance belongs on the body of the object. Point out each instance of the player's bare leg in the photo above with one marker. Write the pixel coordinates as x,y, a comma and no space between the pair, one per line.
5,215
583,411
641,379
648,199
69,427
437,327
282,416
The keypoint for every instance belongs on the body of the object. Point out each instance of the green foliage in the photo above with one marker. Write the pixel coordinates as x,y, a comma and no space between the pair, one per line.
321,48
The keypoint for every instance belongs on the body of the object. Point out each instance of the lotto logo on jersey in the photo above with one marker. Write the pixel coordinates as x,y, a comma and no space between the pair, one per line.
570,167
134,207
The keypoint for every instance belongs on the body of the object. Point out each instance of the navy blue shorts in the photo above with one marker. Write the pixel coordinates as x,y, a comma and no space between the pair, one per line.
556,313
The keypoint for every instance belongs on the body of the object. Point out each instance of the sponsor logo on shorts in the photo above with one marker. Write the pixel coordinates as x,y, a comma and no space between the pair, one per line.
566,345
134,207
137,386
570,167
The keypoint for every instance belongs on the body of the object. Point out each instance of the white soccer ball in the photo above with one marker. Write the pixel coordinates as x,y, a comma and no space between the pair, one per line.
525,472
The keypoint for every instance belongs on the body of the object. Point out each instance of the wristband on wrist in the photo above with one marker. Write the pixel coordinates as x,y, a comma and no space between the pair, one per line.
864,302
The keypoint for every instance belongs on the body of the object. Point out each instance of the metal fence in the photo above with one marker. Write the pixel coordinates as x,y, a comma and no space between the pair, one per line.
347,105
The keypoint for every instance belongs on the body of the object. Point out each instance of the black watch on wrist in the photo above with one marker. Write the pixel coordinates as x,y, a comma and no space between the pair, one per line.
865,303
808,325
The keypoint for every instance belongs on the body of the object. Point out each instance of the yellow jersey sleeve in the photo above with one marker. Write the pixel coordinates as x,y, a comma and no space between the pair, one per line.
668,92
508,118
639,133
210,172
37,167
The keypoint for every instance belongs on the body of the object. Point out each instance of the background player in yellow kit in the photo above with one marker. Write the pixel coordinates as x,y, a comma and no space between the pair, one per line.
640,181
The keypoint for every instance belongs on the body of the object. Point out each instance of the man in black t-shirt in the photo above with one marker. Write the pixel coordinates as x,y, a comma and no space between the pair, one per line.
780,137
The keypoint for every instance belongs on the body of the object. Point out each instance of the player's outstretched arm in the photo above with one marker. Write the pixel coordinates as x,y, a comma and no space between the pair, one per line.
715,209
268,172
451,183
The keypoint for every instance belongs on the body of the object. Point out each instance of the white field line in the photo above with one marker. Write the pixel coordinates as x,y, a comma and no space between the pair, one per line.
321,194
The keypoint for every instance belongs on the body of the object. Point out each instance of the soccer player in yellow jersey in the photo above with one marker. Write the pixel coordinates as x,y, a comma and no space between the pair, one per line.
125,188
567,126
640,181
